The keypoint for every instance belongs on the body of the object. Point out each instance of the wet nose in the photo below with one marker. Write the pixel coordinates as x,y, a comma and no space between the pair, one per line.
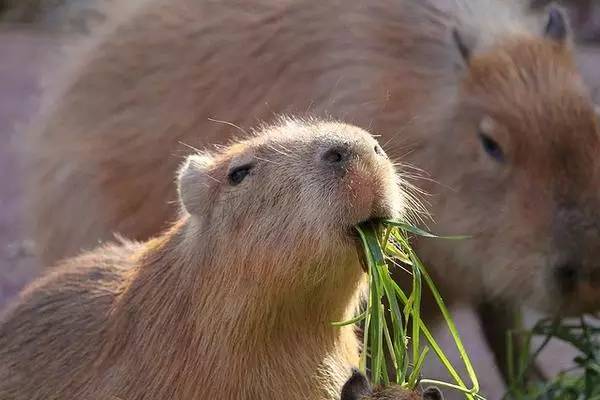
572,275
567,275
339,154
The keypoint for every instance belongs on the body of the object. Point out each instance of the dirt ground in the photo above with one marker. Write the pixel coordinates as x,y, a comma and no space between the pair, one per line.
23,56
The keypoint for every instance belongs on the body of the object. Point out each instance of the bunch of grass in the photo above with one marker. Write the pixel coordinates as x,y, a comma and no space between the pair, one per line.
581,382
386,246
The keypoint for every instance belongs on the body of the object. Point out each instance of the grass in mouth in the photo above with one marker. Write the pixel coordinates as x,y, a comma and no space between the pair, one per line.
386,246
581,382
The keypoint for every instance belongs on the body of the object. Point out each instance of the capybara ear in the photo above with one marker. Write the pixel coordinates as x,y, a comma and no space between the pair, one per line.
356,387
194,181
432,393
557,27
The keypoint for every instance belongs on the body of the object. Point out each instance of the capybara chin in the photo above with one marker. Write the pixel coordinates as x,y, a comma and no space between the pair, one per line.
235,301
484,96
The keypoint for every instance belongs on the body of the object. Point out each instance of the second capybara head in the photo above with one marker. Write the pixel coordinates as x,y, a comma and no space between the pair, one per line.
520,165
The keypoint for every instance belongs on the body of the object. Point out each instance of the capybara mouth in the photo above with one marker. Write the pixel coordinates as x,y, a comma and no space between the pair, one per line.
362,257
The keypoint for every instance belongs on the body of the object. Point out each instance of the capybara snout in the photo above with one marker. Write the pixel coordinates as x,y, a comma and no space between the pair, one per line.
574,269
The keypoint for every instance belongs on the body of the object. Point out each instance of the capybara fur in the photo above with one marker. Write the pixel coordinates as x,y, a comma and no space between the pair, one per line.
235,301
357,387
484,96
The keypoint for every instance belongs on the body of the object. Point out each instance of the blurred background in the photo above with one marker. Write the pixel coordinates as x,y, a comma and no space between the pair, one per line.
27,49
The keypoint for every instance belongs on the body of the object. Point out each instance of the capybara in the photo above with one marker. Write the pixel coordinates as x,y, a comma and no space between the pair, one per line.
357,387
484,96
235,301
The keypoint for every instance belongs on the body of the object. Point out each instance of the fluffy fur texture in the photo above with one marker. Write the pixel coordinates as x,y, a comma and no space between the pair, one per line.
483,95
235,301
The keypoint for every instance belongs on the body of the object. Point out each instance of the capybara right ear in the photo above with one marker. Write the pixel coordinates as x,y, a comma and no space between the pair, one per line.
356,387
194,181
557,27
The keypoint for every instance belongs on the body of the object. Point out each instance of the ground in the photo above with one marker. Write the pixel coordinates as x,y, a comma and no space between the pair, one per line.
23,56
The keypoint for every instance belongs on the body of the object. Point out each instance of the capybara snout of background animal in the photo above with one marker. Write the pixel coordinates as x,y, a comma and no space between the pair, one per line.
575,267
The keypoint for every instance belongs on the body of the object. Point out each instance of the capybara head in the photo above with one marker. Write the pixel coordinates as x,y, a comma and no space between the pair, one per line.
522,162
293,190
357,387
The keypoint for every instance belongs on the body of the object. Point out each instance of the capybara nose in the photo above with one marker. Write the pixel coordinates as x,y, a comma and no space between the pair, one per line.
568,276
336,155
572,276
339,154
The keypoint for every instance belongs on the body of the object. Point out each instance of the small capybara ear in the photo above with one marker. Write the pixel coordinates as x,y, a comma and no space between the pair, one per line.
356,387
194,181
557,27
432,393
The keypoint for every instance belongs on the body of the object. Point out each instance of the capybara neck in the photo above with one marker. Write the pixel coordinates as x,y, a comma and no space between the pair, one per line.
216,276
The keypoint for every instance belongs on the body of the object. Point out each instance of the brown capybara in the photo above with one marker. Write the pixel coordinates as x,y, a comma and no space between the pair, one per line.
482,95
357,387
235,301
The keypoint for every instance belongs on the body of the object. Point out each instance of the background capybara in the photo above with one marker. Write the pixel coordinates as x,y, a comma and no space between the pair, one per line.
483,96
235,301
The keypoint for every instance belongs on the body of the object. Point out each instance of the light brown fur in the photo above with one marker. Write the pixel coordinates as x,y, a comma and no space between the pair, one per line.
235,301
112,135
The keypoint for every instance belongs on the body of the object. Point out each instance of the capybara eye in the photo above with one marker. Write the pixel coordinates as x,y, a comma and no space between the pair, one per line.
491,147
238,174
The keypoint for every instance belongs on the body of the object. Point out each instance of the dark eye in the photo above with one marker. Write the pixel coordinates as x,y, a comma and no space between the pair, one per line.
491,147
237,175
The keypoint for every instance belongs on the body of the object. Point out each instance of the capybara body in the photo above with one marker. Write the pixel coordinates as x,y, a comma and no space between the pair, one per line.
484,96
235,301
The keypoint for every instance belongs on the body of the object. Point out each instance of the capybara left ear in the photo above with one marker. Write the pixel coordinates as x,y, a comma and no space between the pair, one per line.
432,393
356,387
194,181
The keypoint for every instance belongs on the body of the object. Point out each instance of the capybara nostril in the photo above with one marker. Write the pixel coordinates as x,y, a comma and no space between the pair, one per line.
335,155
379,151
568,275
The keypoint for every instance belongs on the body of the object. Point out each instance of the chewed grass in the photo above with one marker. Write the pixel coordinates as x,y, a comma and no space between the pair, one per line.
393,328
581,382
